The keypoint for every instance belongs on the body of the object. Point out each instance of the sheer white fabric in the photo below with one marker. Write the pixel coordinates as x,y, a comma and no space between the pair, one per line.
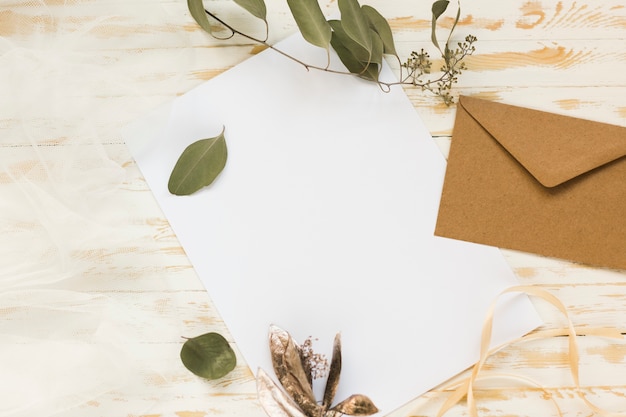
71,76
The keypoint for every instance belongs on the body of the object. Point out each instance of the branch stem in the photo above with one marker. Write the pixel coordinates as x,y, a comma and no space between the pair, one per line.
410,79
272,47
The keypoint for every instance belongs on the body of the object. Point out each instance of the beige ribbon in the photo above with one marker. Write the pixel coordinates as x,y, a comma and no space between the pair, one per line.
465,388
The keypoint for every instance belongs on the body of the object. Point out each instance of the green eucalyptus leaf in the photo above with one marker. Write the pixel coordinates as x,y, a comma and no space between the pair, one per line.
355,23
254,7
456,20
356,58
196,8
208,356
438,8
311,22
198,165
382,28
357,51
351,62
377,48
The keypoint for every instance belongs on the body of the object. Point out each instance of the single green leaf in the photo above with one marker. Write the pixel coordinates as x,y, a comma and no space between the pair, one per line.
198,165
456,20
255,7
381,26
375,56
351,62
355,23
311,22
366,60
438,8
196,8
359,52
377,48
208,356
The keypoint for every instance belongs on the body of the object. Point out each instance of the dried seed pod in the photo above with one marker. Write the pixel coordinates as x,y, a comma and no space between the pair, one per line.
290,371
356,405
333,375
274,400
297,400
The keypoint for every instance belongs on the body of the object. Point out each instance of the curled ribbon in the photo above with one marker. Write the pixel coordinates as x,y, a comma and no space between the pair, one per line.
465,388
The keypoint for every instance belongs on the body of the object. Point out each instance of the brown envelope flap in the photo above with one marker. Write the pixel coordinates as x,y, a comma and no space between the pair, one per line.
553,148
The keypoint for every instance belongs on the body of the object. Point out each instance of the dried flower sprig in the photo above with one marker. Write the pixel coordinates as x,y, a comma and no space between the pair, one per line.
419,64
293,366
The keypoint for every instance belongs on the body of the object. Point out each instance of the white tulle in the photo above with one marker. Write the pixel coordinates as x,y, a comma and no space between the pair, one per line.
67,87
68,352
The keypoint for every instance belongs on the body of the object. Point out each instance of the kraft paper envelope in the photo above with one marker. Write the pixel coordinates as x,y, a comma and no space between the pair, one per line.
536,182
323,221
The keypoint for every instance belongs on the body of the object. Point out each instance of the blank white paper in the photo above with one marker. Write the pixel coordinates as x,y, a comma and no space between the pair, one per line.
322,222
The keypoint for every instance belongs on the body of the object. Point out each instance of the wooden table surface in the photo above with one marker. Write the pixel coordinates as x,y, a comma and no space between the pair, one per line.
95,290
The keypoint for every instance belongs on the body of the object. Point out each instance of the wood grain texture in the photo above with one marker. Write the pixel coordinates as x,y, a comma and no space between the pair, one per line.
78,220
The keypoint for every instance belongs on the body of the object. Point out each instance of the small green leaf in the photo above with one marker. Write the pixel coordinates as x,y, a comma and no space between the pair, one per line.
355,23
456,20
311,22
360,53
438,8
196,8
208,356
351,62
198,165
255,7
381,26
356,58
377,48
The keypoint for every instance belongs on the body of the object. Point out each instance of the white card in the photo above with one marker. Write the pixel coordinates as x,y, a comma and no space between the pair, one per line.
322,222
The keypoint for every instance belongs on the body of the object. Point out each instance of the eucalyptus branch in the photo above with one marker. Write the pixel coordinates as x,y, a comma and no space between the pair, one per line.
265,43
360,38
